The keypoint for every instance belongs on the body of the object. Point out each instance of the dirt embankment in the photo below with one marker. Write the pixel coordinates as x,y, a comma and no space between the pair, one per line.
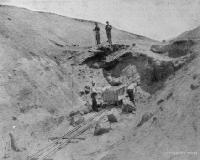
124,65
166,126
174,49
42,79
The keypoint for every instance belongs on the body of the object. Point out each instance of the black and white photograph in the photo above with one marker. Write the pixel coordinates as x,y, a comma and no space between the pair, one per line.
99,79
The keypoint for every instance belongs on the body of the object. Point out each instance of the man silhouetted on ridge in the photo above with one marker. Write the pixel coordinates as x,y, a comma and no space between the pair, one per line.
108,29
97,33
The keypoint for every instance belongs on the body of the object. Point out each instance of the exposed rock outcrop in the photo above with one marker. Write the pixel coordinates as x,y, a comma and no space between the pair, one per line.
174,49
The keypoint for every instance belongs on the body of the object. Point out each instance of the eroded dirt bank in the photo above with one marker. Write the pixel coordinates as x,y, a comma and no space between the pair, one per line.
44,72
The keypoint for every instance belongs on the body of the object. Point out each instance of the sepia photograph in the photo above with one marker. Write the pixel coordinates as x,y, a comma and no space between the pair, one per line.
99,79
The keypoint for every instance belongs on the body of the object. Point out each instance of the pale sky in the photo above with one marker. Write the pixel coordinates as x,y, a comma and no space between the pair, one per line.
157,19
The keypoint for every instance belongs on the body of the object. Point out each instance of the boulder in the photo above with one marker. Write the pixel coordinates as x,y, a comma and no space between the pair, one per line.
161,49
100,131
145,118
76,120
115,112
96,65
113,81
194,86
112,118
87,89
85,110
73,113
128,107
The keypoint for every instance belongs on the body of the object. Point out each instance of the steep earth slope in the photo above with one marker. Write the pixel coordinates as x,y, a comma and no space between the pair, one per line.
39,85
191,34
171,131
47,60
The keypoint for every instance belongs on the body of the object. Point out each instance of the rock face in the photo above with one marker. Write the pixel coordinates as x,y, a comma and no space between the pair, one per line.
174,49
161,70
159,49
142,69
125,67
180,48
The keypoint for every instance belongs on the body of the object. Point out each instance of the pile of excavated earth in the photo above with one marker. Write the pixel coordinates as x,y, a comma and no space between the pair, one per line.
49,65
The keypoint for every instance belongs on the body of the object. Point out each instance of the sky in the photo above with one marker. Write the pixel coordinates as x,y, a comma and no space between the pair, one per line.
157,19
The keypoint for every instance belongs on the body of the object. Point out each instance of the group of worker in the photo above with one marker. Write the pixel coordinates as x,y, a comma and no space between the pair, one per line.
108,29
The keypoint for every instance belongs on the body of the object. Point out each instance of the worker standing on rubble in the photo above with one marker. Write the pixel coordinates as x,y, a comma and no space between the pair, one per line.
131,91
97,33
108,29
93,97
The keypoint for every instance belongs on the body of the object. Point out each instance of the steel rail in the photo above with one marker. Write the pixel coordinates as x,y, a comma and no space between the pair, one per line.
63,144
55,144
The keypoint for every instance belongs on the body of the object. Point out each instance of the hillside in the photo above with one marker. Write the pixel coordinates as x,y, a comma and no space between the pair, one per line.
37,89
172,130
33,41
191,34
48,60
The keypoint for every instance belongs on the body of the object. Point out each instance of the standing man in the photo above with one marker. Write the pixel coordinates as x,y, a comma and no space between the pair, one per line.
108,29
93,97
97,33
131,91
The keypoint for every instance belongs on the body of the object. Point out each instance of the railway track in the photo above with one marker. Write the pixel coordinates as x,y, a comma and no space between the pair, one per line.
60,143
